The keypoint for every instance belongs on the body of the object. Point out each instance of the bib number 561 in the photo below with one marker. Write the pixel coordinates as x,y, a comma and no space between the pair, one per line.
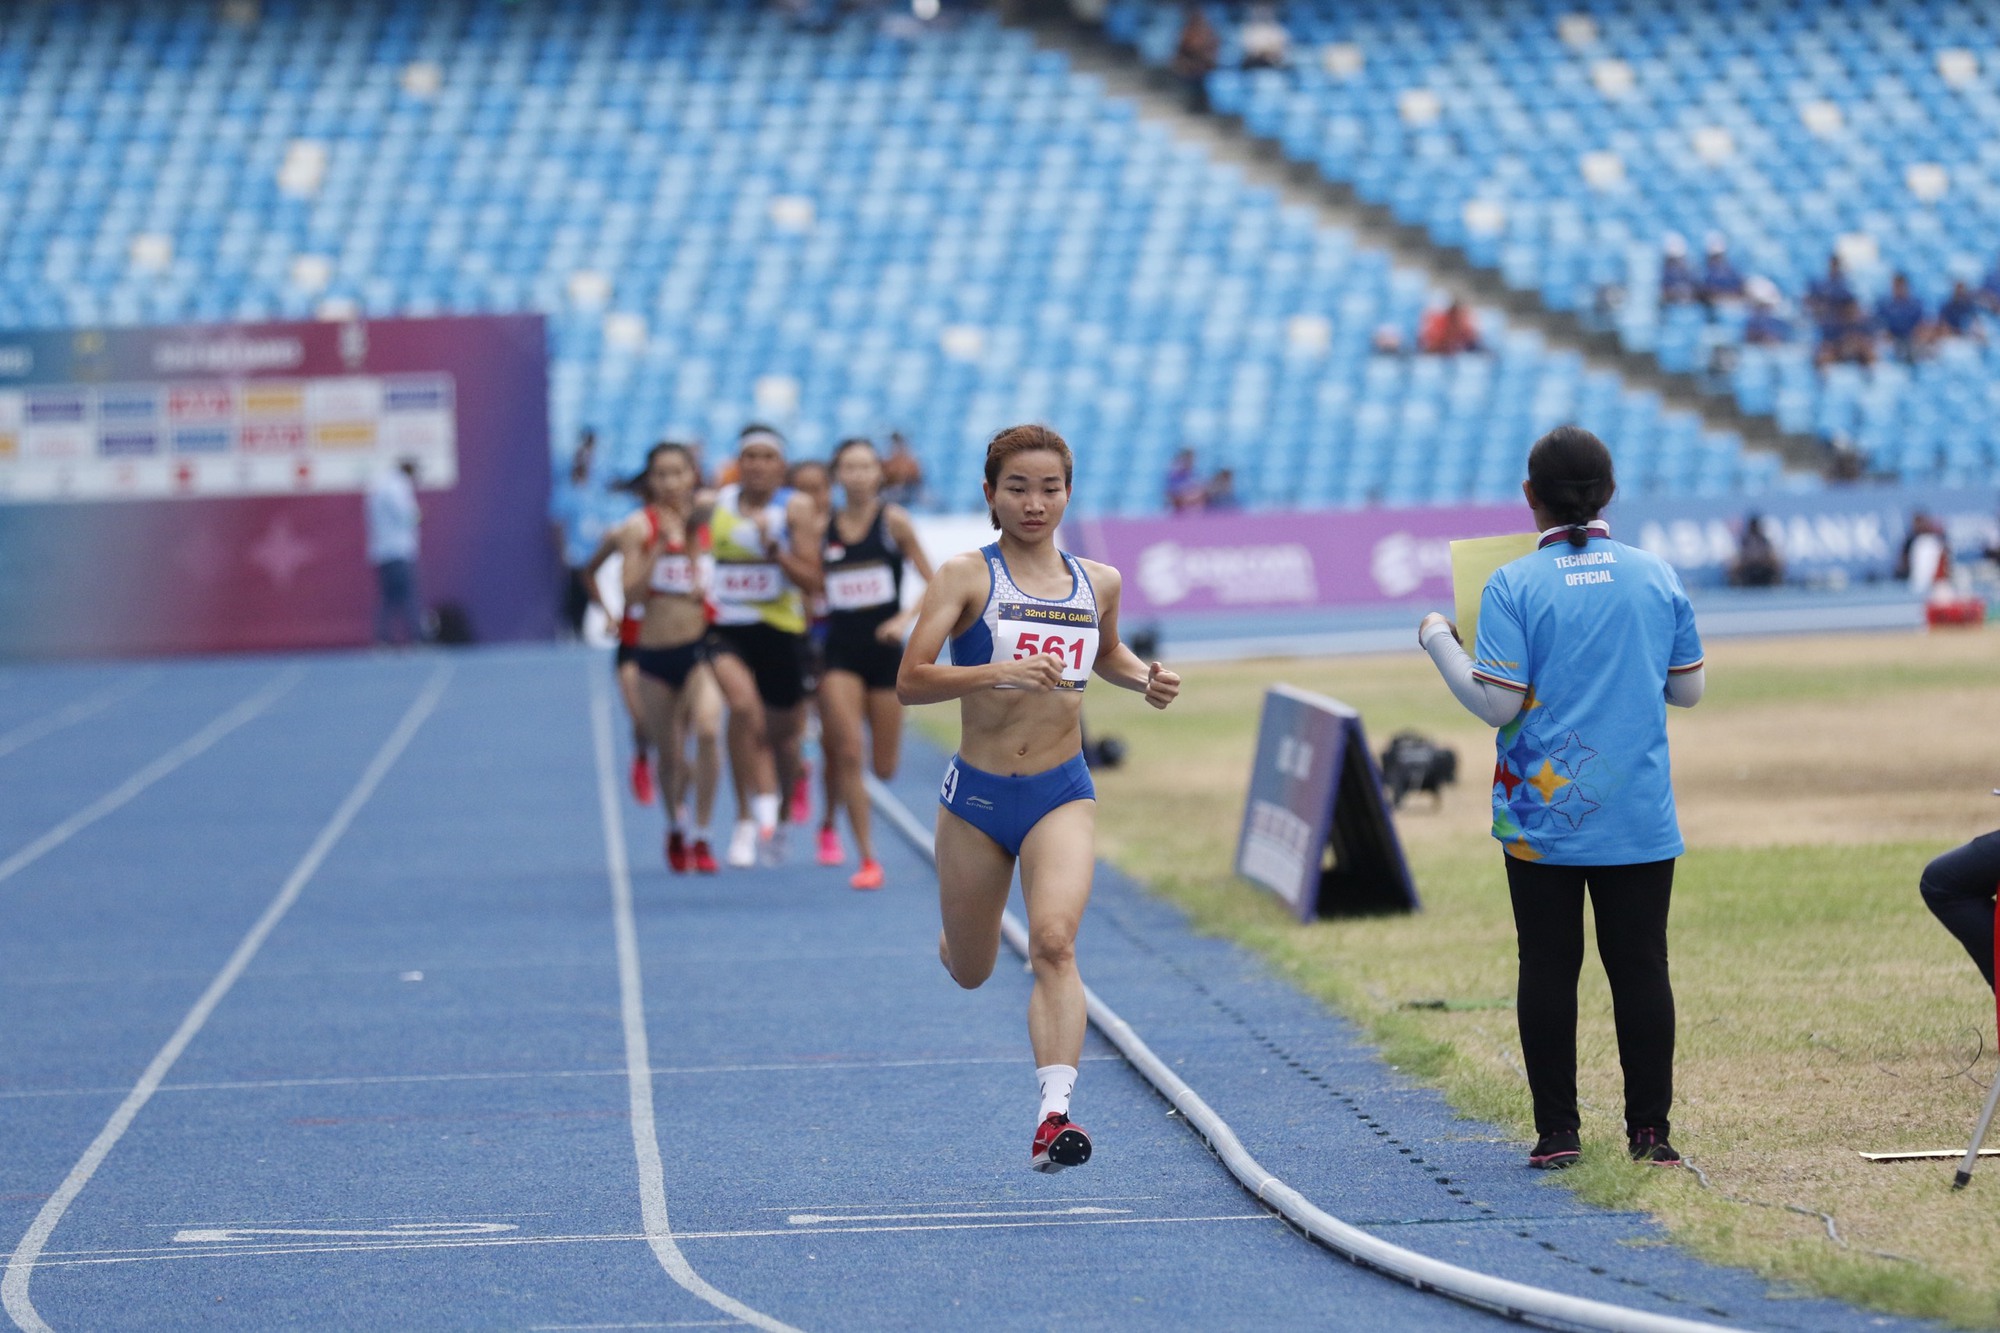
1055,645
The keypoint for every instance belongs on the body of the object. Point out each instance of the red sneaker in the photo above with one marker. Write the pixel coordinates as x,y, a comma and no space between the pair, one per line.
1059,1144
642,779
677,853
868,877
802,794
704,859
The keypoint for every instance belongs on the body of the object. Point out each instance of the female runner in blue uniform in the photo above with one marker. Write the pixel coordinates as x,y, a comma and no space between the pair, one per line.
867,541
1028,625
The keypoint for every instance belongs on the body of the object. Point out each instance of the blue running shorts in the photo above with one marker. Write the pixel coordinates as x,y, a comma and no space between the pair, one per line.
1007,809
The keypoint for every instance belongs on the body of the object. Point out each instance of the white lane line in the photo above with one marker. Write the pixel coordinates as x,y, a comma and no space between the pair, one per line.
87,707
150,774
1516,1300
638,1058
94,1258
659,1071
402,1231
820,1219
21,1264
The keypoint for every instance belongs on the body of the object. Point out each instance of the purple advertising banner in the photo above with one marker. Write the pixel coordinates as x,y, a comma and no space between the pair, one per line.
200,489
1280,561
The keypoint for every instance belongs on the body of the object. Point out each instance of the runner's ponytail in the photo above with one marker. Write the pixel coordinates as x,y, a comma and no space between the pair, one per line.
1571,472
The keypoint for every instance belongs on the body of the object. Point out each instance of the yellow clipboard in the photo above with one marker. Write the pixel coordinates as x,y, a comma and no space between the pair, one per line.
1473,561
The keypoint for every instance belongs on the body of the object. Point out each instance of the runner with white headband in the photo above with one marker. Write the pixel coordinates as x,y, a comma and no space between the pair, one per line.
766,557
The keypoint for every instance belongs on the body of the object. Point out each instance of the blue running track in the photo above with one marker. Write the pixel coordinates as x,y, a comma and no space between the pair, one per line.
326,1002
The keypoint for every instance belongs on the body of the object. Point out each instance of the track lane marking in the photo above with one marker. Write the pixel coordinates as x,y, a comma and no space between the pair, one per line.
87,707
91,1258
659,1234
659,1071
14,1296
150,774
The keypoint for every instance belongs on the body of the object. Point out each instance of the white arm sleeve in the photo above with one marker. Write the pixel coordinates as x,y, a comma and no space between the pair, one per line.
1684,690
1495,705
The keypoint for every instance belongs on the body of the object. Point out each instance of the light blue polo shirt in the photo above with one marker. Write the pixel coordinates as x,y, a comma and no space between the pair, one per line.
1589,635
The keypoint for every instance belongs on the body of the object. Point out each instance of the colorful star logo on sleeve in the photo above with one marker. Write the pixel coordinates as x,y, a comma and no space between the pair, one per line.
1506,779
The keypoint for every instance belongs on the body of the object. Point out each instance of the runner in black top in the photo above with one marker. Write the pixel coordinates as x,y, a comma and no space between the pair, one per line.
867,541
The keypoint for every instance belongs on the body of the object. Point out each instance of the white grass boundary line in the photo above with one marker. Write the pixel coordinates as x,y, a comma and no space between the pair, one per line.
21,1264
150,774
638,1055
1517,1300
90,706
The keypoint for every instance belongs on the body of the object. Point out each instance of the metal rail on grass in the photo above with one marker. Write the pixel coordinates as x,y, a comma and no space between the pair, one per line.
1516,1300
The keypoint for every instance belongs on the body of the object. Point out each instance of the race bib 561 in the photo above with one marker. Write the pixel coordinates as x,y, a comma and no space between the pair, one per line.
1067,632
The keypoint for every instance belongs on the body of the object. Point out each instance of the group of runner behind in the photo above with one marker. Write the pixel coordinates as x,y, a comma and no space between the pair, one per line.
749,607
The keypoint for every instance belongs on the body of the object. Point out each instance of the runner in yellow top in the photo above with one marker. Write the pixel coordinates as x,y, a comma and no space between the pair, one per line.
766,553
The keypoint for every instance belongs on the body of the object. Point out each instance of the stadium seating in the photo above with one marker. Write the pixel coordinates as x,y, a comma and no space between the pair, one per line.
1559,141
939,228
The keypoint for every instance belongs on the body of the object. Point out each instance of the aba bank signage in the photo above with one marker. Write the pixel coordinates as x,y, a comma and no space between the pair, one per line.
1275,561
1850,533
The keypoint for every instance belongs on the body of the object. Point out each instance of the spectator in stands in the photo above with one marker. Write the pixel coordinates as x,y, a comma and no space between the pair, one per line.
1989,288
1721,283
1959,317
1758,563
1220,497
1900,315
392,518
1677,283
1185,492
1825,296
1266,44
1766,325
1449,331
1848,336
902,474
1195,55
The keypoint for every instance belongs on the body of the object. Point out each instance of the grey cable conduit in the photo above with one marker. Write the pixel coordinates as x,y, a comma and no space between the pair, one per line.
1517,1300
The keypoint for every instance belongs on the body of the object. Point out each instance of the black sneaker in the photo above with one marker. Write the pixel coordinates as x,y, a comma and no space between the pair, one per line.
1651,1147
1557,1151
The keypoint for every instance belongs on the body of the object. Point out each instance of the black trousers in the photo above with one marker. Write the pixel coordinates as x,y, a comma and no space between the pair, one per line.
1959,889
1630,904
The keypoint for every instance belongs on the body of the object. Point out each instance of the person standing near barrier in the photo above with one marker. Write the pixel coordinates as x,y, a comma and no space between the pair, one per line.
393,518
766,560
1581,645
662,545
1028,624
867,542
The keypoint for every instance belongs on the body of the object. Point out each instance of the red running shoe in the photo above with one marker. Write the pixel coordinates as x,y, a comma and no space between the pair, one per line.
1059,1144
642,779
704,859
677,852
802,793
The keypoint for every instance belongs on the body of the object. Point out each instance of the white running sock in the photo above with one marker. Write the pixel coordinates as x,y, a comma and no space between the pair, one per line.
1057,1081
764,809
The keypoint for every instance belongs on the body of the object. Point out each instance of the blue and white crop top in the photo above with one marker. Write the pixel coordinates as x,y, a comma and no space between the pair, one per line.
1015,625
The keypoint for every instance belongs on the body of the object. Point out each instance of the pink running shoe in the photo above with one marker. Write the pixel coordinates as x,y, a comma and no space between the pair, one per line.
831,853
868,877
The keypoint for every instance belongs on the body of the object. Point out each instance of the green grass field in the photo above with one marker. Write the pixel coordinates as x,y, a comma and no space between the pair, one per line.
1822,1011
